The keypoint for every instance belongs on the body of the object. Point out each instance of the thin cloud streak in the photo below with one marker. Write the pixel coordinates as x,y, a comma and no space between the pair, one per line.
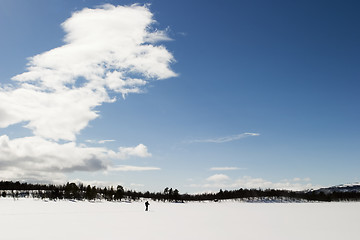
226,168
126,168
99,142
105,141
225,139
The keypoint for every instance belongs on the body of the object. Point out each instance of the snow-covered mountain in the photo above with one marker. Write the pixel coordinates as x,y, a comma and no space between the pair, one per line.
353,187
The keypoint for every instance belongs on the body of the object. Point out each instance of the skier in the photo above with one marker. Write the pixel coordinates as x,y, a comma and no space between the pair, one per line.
147,206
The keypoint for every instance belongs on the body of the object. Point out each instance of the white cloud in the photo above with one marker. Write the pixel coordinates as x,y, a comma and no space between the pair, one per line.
105,141
37,158
99,142
107,49
34,158
126,168
138,151
52,115
218,178
225,139
225,168
296,184
101,43
223,181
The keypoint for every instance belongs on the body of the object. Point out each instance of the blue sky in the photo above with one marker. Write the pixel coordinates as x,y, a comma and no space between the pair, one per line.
220,94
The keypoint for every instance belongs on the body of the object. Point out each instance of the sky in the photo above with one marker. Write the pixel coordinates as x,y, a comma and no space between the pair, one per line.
193,95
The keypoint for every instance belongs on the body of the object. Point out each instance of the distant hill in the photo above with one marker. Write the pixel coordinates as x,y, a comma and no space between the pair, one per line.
343,188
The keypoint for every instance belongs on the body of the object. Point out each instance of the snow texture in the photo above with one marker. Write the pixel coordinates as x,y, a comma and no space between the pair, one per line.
32,219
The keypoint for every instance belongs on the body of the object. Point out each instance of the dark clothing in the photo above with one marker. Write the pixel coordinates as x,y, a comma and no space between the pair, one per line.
147,206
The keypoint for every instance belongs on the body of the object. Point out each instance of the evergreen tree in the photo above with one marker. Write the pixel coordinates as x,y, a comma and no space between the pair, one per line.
176,195
90,193
119,192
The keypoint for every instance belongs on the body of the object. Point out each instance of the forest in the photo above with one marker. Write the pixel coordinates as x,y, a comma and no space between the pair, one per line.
73,191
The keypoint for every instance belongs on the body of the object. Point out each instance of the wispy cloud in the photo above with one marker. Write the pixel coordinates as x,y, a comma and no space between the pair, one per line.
226,168
99,142
225,139
126,168
105,141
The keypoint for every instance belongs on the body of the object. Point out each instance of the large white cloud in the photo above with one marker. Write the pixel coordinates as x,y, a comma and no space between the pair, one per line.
100,42
36,158
53,115
106,49
109,48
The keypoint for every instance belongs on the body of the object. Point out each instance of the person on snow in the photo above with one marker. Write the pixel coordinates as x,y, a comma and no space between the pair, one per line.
147,206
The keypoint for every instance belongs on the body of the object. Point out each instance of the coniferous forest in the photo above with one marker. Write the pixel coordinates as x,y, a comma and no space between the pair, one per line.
73,191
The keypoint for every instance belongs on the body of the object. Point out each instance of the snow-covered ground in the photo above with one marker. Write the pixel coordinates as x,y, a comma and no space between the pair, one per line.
30,219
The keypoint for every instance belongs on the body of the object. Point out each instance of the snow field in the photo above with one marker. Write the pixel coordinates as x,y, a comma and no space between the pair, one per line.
30,219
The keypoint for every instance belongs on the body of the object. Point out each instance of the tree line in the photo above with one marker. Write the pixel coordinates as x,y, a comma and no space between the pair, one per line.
73,191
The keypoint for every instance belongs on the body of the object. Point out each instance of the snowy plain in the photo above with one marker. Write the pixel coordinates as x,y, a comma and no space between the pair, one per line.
32,219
